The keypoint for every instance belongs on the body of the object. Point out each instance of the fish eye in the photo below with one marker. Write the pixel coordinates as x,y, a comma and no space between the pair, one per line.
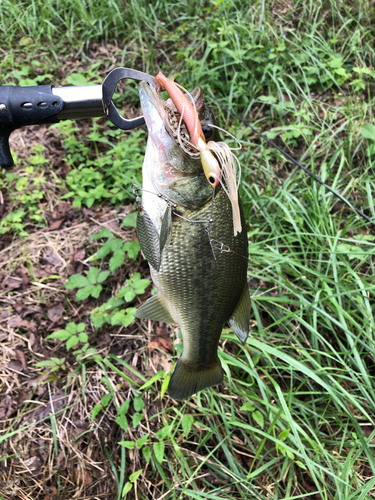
207,130
211,180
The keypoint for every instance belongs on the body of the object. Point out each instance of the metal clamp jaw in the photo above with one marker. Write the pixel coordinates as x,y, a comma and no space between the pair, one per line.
20,106
109,86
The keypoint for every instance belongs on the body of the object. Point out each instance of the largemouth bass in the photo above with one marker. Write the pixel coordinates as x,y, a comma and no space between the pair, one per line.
182,233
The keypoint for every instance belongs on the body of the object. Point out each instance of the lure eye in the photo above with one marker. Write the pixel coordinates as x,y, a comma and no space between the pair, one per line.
207,131
213,180
210,167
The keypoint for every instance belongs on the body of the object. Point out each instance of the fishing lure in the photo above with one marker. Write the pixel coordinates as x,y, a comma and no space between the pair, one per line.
219,168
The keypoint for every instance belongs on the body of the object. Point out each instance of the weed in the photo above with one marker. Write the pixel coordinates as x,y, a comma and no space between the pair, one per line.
88,286
300,393
73,334
25,189
119,248
54,364
106,176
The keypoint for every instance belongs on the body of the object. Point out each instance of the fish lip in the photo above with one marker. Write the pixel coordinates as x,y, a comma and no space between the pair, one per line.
154,112
148,92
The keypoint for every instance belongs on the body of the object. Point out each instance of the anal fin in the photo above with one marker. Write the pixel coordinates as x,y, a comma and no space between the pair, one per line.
240,319
154,308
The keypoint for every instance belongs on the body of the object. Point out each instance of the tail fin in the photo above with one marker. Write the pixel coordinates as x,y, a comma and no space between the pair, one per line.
187,380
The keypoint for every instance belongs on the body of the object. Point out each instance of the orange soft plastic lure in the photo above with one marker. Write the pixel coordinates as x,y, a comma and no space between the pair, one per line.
189,114
226,175
184,107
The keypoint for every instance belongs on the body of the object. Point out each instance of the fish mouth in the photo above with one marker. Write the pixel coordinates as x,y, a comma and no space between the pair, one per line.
153,105
153,109
168,165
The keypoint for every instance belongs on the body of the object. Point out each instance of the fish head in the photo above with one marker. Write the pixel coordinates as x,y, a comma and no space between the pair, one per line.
169,169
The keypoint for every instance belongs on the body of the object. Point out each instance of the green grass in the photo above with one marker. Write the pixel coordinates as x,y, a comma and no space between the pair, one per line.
303,76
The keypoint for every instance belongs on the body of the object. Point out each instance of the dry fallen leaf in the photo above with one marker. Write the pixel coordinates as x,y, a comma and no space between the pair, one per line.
55,312
52,258
21,357
8,407
56,225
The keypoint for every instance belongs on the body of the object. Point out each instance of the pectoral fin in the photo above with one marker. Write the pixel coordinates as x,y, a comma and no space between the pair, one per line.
154,308
148,239
165,228
240,319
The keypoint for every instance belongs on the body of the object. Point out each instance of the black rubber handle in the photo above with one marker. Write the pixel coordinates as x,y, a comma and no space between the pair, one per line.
21,106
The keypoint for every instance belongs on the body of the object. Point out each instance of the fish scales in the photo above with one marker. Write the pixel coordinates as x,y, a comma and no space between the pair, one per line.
191,280
198,290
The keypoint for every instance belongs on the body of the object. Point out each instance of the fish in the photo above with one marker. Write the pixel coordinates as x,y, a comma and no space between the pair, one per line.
185,230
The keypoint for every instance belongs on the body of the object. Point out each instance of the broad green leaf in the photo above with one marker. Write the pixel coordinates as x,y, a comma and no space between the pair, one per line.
125,317
83,337
95,291
124,407
284,434
164,432
103,276
290,454
60,335
141,441
127,292
77,79
50,363
350,251
130,220
300,464
92,275
146,451
109,246
269,99
71,328
186,424
127,444
256,359
71,342
76,281
141,286
132,248
164,385
47,363
104,250
258,417
122,422
95,411
81,327
125,490
336,62
158,449
106,399
368,132
137,417
138,404
133,477
85,292
104,233
247,407
116,260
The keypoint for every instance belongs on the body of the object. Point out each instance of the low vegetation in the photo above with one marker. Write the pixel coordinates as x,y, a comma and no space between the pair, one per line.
84,411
